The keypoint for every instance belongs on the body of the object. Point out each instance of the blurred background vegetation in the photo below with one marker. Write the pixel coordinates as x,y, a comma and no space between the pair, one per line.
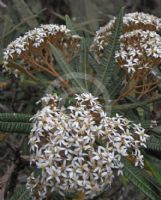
19,16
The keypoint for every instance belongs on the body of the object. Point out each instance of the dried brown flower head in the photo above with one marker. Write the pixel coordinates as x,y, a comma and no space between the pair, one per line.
140,48
31,53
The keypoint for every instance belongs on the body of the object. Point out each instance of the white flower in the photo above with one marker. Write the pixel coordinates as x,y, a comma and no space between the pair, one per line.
139,40
75,151
34,39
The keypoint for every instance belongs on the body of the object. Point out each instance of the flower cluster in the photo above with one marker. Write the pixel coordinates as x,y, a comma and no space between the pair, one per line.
142,54
78,148
32,50
139,43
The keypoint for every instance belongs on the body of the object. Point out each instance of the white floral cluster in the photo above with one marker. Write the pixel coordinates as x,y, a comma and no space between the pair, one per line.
34,39
129,19
78,148
139,39
144,18
133,54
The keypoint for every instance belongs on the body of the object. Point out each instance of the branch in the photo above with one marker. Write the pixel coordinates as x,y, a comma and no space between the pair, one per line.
8,180
137,104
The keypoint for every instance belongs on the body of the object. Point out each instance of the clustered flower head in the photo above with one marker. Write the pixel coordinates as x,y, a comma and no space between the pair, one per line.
32,51
140,43
78,148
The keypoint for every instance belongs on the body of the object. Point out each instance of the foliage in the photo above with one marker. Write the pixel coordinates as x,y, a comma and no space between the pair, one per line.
17,19
136,176
15,117
107,70
148,180
20,194
154,143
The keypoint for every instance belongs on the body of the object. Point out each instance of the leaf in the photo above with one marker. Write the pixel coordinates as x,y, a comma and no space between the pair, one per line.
69,72
135,176
20,24
8,23
107,71
70,24
91,13
113,45
58,15
24,11
15,127
83,65
154,143
15,117
2,4
60,59
154,170
155,161
157,129
117,84
35,7
5,26
20,194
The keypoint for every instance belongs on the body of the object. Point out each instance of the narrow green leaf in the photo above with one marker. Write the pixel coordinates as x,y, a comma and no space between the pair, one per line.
113,45
70,24
20,24
24,11
35,7
154,170
15,117
155,161
64,66
90,11
8,23
15,127
20,193
108,73
135,176
154,143
84,61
